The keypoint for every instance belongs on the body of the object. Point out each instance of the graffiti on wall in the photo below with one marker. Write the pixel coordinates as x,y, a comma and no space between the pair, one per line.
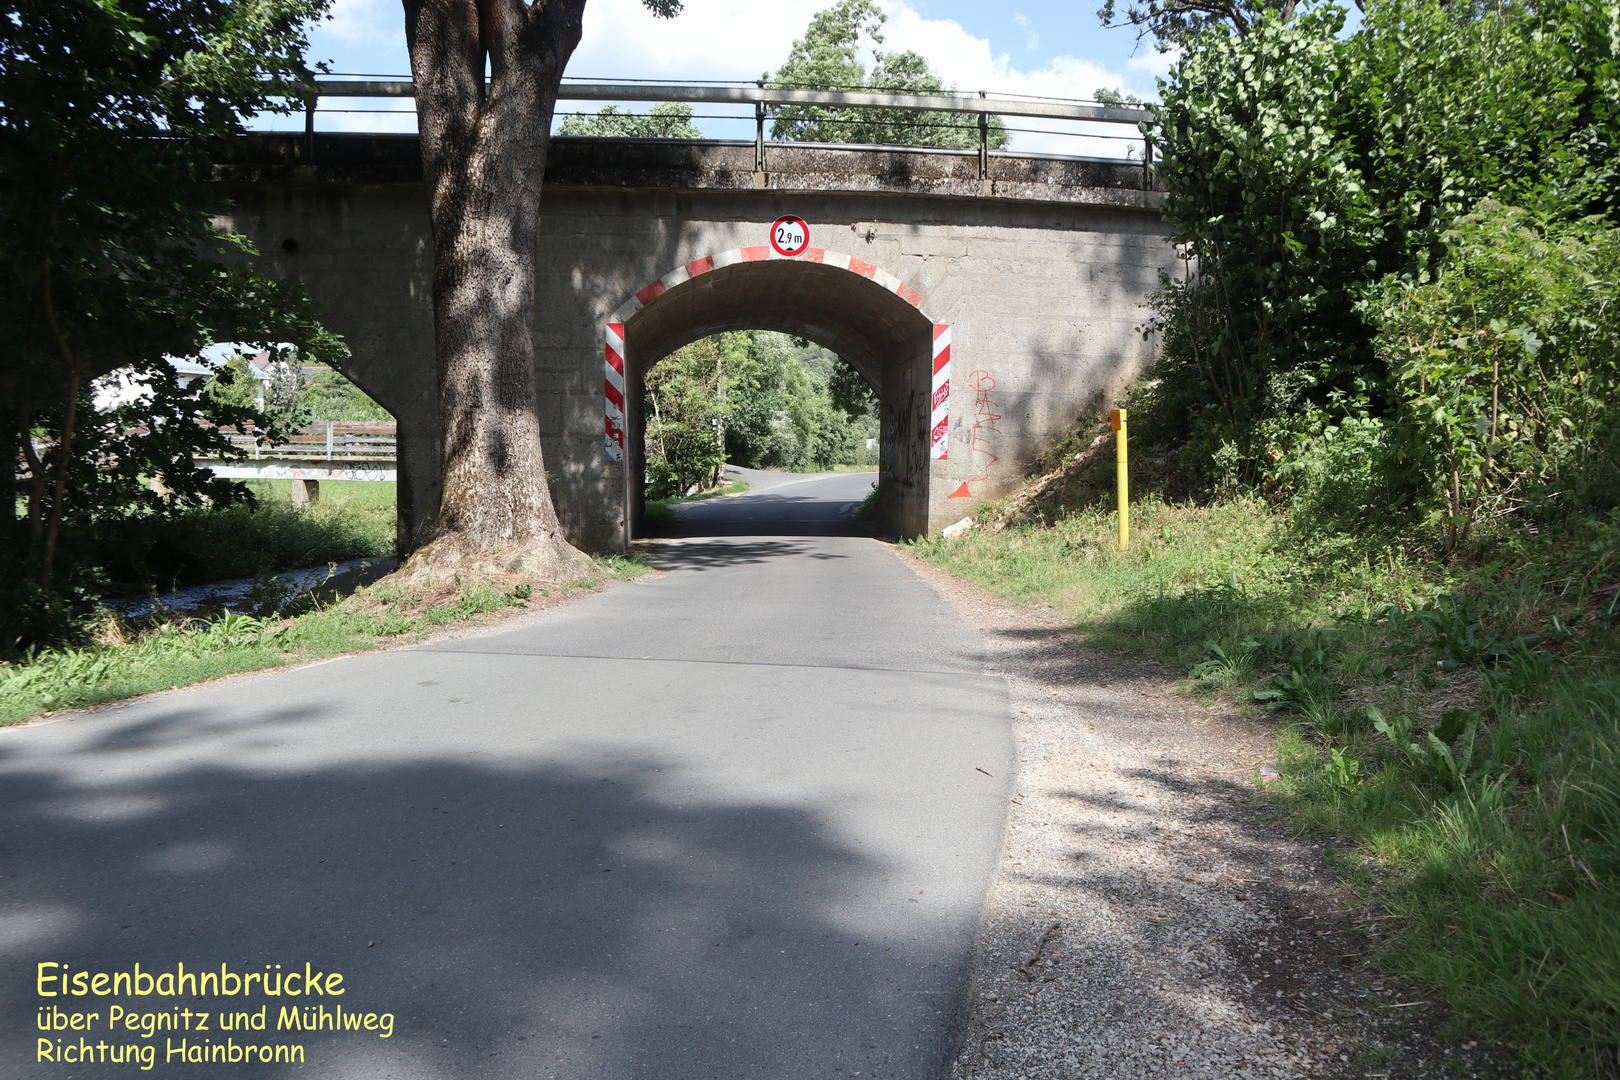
984,420
903,452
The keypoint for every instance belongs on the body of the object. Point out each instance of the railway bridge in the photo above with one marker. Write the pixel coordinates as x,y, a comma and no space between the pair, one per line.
988,298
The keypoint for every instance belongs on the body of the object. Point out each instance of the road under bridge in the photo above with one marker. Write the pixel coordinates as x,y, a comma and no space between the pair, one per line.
988,298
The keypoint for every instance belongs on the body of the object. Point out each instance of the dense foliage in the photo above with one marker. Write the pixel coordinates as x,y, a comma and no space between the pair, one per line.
1505,369
828,57
666,120
1330,193
1397,326
293,395
110,261
755,399
1172,23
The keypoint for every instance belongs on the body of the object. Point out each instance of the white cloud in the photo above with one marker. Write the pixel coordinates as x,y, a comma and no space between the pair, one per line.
1031,39
366,22
969,63
710,39
738,40
1153,63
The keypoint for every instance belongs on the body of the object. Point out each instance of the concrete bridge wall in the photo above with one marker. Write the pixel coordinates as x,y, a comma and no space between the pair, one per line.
1040,270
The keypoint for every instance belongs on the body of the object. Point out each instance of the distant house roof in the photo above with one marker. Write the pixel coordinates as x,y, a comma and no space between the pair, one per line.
189,368
121,387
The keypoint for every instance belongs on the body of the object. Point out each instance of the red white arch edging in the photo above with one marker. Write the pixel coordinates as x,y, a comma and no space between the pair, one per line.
940,421
613,365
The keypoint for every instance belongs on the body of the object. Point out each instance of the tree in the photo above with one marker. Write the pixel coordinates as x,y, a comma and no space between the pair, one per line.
1178,23
329,396
108,109
850,393
1114,97
827,58
667,120
685,403
484,146
1374,146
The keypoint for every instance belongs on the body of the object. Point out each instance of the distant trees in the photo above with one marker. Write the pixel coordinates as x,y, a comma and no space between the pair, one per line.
666,120
828,58
756,399
292,396
329,396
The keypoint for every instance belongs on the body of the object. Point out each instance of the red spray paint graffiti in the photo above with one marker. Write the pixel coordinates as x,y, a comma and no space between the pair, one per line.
985,418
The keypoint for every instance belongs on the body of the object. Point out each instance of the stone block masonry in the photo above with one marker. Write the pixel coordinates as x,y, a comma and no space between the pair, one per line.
1042,283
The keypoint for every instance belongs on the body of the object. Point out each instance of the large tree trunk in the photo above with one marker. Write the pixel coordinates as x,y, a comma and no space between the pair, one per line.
483,153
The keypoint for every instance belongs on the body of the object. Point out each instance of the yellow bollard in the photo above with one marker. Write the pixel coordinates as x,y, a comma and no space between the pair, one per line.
1122,464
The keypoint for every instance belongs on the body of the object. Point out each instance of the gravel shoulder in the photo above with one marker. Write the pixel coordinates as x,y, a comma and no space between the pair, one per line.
1151,915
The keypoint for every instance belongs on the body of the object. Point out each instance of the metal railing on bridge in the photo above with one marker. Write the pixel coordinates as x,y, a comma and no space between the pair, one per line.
1081,116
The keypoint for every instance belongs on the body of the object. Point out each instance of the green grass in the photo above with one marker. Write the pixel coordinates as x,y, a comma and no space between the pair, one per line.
1473,769
1505,874
662,509
130,659
353,520
1191,575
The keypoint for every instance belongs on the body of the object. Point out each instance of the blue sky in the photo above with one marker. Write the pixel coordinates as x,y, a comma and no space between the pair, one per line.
1021,47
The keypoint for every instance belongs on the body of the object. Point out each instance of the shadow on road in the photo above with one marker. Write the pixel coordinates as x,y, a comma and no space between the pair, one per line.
717,555
811,506
515,920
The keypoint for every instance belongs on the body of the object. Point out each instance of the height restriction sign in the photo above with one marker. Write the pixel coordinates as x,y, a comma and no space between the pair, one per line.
789,236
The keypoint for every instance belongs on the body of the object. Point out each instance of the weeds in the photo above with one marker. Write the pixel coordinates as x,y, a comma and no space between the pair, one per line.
1462,731
137,658
1228,663
354,520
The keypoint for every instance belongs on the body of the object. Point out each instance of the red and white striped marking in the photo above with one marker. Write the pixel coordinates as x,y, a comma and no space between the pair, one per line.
613,370
683,274
940,421
614,404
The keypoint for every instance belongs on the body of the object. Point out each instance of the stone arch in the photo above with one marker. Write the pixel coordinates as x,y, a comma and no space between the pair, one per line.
872,319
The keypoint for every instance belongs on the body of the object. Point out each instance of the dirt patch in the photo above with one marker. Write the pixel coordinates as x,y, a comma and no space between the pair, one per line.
1152,916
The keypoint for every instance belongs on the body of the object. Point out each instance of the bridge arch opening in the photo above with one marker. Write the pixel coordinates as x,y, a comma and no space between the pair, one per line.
876,323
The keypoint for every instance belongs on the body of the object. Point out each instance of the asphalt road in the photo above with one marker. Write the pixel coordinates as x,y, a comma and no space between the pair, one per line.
729,822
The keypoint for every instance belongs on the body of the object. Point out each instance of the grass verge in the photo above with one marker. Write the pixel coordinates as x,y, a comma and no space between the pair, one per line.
129,659
1460,729
663,509
353,520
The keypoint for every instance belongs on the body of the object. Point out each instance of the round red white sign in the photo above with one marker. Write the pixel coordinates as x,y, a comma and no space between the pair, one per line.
789,236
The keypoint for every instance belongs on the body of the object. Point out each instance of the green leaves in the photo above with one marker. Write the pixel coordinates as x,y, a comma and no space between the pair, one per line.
1507,366
1319,184
666,120
827,58
108,111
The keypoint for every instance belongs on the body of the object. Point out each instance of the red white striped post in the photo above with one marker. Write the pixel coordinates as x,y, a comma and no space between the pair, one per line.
613,392
940,426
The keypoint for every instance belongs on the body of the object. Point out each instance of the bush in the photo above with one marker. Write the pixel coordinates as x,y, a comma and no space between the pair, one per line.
1506,367
1315,178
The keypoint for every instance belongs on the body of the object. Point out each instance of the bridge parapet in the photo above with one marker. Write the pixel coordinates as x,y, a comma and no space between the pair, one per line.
711,165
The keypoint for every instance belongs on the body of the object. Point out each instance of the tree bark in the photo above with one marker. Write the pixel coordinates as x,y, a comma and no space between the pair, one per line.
483,154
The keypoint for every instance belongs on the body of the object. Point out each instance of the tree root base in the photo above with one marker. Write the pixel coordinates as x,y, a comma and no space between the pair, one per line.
548,560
